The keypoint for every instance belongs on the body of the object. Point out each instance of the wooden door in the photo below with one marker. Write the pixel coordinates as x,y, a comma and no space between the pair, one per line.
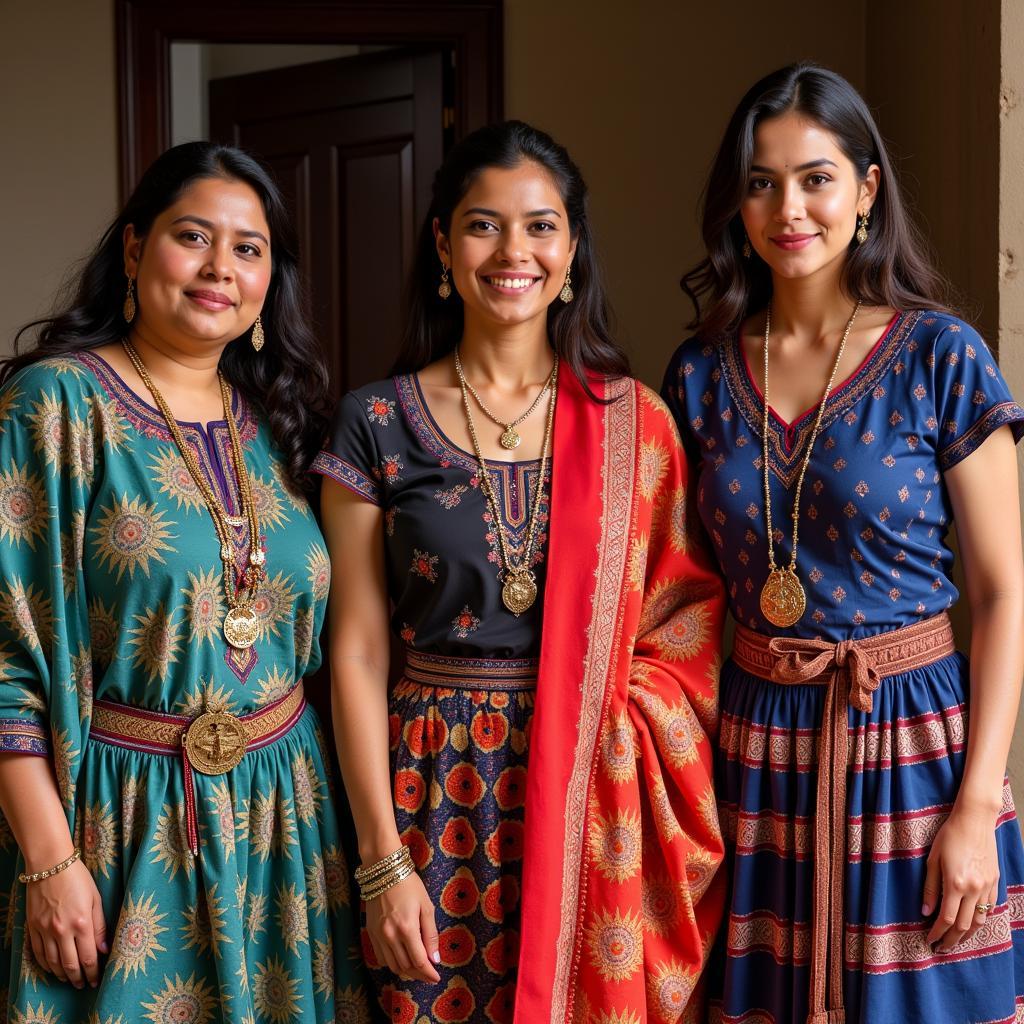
354,144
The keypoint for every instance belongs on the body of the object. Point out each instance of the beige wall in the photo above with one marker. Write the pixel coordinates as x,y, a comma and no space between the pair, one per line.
58,175
641,102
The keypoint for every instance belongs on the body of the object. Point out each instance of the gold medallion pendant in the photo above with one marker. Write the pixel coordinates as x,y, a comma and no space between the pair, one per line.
214,742
519,591
510,438
783,599
241,628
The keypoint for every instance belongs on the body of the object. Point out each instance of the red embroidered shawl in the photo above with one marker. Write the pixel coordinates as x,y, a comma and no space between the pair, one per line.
621,893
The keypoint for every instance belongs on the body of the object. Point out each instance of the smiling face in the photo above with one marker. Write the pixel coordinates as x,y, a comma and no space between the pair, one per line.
803,197
509,245
203,270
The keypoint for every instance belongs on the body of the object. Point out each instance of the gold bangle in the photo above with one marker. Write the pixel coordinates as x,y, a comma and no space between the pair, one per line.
400,875
38,876
405,867
365,872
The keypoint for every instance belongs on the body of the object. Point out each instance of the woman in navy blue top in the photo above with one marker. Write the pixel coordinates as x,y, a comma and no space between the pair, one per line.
889,886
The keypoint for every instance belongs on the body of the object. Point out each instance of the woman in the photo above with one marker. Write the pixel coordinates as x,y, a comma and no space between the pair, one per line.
841,418
549,769
163,586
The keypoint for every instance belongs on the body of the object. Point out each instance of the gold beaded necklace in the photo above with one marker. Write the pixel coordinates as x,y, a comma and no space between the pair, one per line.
783,599
241,624
519,585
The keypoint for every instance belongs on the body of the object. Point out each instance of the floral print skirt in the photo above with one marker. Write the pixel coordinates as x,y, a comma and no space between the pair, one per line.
459,758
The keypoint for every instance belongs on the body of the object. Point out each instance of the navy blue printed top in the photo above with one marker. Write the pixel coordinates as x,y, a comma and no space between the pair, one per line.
441,548
875,513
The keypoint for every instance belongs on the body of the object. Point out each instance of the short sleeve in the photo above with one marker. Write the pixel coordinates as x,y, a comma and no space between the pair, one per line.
972,398
674,394
51,450
351,456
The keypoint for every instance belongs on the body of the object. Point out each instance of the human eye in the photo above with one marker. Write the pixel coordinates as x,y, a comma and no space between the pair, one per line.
760,184
542,227
192,237
817,178
483,226
248,249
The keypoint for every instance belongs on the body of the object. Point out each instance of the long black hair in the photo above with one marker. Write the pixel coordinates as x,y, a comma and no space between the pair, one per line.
580,330
890,269
288,378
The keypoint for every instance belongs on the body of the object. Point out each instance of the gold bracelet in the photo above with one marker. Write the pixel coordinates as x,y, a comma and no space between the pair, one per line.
38,876
371,892
401,870
367,872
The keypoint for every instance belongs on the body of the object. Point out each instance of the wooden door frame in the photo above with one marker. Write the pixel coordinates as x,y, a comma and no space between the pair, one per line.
472,29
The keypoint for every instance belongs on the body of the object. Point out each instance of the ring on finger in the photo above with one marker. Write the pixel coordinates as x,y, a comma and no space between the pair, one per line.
983,908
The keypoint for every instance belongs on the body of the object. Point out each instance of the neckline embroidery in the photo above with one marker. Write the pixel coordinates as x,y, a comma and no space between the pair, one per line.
786,441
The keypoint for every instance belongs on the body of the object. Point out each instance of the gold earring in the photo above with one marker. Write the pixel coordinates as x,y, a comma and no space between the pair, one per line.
862,230
444,289
567,294
257,338
747,251
128,310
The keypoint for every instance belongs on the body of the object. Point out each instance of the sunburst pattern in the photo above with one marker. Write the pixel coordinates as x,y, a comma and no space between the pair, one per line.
256,914
64,754
170,845
103,630
275,992
323,967
615,845
309,788
114,428
28,614
339,887
47,425
174,479
273,686
72,551
270,513
615,944
318,568
351,1005
29,971
133,805
156,641
136,938
296,500
81,681
98,838
303,633
204,696
652,467
129,535
9,398
273,603
203,929
183,1002
40,1015
316,885
291,917
23,507
204,606
270,824
224,811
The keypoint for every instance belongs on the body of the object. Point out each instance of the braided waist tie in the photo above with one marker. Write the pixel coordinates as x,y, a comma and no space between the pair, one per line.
852,670
213,742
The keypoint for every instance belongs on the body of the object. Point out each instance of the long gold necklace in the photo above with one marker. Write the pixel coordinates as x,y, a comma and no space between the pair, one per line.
519,585
783,599
510,437
241,623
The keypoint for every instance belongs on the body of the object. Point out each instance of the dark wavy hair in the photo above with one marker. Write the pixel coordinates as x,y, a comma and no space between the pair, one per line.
890,269
288,378
580,330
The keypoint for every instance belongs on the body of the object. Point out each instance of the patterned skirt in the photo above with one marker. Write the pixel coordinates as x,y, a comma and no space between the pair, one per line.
906,759
459,737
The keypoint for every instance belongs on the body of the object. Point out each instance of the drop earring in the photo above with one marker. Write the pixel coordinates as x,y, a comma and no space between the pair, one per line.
567,294
862,229
444,289
747,250
128,310
258,337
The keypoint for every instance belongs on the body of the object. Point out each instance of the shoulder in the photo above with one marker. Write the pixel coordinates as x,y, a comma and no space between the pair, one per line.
66,377
946,337
694,358
374,404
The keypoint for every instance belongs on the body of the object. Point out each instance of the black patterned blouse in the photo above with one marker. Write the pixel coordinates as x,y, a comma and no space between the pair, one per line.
442,551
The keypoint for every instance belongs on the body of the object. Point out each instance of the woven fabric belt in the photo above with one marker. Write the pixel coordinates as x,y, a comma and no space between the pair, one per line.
470,673
852,670
212,743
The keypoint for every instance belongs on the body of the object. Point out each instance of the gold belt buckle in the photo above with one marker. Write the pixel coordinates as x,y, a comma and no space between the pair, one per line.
214,742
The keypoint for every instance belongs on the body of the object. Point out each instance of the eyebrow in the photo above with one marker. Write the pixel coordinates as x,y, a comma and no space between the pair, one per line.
209,225
547,212
803,167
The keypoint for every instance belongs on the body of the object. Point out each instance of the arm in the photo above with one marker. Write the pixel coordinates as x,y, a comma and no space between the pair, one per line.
963,863
401,921
63,913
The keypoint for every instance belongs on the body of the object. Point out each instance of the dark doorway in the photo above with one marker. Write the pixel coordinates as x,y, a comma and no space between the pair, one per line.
353,142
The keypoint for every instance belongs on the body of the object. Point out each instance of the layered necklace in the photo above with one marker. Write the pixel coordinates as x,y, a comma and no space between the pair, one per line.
519,584
783,599
510,437
241,623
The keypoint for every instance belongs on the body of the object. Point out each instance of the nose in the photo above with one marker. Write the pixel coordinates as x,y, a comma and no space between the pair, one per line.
790,203
513,246
219,265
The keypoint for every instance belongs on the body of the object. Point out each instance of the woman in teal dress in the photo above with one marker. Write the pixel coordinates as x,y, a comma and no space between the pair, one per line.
160,604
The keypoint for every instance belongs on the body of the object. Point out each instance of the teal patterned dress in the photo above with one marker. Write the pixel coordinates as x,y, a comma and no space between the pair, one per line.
110,590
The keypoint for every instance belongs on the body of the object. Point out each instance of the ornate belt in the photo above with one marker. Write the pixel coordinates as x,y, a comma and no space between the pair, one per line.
212,743
852,670
470,673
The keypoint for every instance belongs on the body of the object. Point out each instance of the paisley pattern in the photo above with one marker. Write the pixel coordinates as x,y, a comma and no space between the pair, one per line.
874,556
259,926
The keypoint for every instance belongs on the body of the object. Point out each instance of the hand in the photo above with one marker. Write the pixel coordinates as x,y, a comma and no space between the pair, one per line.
402,930
963,869
64,921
